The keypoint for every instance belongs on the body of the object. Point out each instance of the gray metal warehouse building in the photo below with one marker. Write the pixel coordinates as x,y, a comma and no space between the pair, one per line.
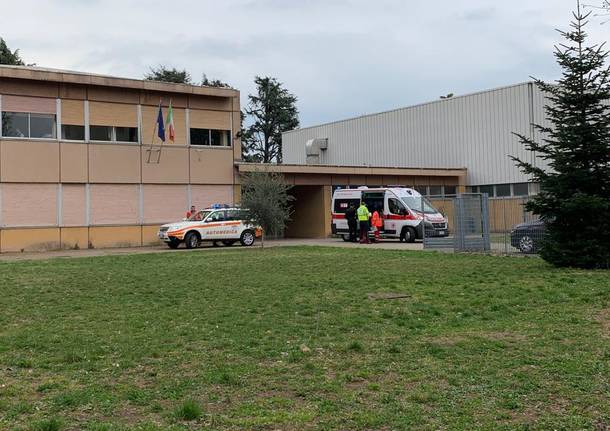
474,131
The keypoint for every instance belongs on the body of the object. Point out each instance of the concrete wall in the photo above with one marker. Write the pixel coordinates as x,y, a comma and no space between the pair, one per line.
77,194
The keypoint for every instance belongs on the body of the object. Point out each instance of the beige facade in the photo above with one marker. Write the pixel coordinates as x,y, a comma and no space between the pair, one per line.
81,165
62,190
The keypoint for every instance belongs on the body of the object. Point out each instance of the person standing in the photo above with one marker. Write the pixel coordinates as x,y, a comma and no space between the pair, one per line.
363,218
191,212
352,222
377,223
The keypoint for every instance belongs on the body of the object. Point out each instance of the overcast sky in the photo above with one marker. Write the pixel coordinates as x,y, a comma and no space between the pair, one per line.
341,58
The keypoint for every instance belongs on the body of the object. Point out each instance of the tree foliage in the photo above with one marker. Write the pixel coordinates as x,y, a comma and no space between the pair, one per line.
271,111
9,57
165,74
574,197
265,196
205,82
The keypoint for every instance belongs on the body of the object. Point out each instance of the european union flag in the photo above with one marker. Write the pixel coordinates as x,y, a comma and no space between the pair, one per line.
160,126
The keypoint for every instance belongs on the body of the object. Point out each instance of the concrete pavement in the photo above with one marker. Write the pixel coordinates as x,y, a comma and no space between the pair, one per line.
161,248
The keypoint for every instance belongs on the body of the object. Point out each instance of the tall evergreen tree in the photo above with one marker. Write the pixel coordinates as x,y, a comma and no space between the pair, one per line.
574,197
272,110
9,57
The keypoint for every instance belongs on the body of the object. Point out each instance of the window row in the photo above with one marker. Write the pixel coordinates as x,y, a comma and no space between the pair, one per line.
43,126
504,190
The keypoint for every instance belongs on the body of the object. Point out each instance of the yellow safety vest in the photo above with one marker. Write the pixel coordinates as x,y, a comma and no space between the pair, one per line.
363,213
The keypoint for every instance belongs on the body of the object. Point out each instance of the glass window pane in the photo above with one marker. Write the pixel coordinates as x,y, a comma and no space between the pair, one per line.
435,190
215,137
503,190
100,133
42,126
126,134
423,190
15,124
450,190
200,137
520,189
72,133
487,189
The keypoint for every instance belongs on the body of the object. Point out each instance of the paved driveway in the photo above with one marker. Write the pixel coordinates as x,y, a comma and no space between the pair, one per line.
329,242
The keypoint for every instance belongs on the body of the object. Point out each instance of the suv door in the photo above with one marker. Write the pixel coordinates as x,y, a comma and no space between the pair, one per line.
214,227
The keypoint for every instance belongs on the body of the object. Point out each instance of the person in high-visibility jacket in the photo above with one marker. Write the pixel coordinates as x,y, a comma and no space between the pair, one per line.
377,223
363,219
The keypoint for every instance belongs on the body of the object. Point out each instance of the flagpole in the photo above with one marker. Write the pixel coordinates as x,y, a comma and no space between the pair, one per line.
152,139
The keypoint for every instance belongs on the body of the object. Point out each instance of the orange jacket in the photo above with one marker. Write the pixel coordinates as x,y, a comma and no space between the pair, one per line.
376,219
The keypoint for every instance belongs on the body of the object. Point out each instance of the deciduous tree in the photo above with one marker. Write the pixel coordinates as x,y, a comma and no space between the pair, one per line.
265,196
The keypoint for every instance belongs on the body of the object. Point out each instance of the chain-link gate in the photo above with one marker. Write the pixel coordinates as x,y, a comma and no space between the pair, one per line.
467,225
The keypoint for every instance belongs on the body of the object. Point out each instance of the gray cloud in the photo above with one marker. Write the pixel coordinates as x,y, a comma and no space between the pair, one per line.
340,57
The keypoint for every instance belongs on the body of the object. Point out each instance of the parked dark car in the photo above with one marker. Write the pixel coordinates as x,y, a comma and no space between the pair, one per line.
527,236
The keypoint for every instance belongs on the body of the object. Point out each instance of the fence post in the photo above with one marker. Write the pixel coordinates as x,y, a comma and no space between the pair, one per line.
485,225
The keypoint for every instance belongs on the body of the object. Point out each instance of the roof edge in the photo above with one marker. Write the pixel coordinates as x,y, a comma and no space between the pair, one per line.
83,78
358,117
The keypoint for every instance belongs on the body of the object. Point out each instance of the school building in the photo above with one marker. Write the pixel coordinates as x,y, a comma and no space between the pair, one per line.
81,165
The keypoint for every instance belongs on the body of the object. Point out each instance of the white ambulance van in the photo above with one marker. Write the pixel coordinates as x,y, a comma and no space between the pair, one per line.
405,212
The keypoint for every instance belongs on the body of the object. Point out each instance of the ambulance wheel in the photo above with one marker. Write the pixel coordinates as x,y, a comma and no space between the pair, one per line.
173,244
247,238
408,234
228,242
192,240
345,238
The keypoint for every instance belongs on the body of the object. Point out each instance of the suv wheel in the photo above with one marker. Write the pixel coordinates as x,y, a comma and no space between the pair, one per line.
192,240
247,238
526,244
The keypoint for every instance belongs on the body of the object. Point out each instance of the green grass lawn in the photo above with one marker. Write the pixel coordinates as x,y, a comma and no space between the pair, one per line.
303,338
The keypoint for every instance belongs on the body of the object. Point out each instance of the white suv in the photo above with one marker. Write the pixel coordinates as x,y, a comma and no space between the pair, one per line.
224,225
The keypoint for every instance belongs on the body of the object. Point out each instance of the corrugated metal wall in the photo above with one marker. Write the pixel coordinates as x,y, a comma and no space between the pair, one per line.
472,131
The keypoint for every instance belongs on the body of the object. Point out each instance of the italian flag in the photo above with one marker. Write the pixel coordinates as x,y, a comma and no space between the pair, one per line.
169,123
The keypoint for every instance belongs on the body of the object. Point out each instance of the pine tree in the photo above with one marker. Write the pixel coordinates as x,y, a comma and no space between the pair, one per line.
574,198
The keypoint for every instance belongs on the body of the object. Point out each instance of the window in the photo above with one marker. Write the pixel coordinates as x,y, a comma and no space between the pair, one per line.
220,138
396,207
200,137
100,133
422,190
114,134
341,205
502,190
216,216
520,189
450,190
26,125
72,133
126,134
216,138
435,190
234,215
487,189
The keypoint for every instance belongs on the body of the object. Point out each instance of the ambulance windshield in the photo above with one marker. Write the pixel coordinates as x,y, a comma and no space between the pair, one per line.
416,203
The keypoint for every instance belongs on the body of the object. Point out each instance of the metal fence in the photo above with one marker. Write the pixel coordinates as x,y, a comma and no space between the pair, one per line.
479,223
